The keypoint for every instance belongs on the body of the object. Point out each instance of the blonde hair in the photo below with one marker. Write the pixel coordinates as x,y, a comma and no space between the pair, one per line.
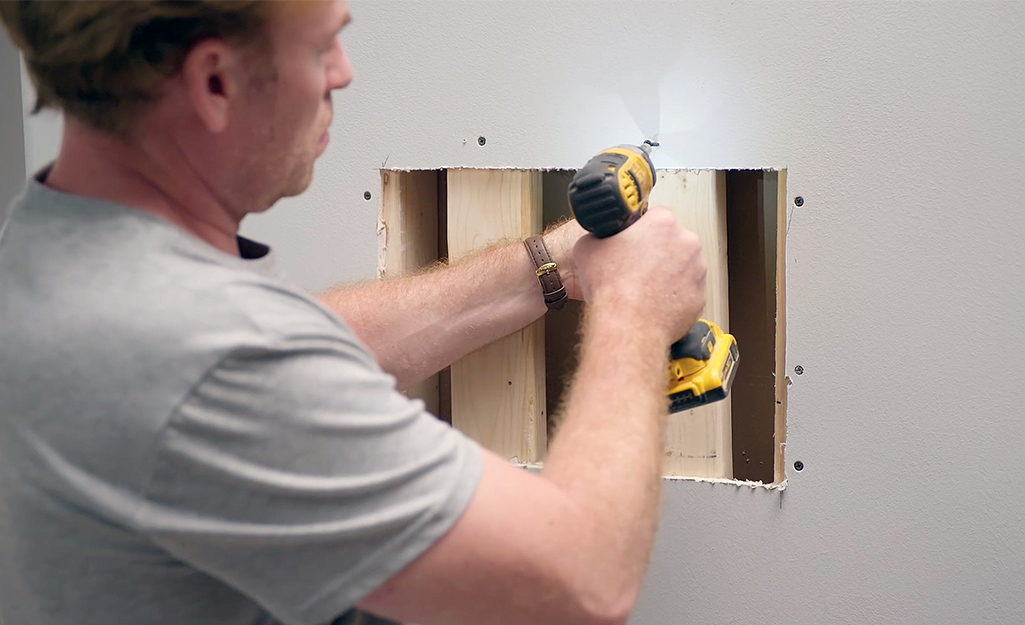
102,61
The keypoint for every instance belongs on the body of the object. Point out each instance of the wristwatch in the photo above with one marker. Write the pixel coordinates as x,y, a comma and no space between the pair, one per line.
547,272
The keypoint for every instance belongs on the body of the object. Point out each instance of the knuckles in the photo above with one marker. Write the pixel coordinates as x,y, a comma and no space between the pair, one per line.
657,246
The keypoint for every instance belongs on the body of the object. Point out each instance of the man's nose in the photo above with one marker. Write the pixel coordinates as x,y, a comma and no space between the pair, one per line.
340,70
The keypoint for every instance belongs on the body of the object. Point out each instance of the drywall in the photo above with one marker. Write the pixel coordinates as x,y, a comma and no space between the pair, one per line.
43,130
901,126
12,144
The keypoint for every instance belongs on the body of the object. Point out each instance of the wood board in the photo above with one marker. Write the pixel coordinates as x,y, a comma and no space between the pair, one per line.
498,392
780,437
408,242
698,442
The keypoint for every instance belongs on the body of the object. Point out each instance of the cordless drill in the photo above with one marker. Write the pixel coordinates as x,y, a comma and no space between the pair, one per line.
606,197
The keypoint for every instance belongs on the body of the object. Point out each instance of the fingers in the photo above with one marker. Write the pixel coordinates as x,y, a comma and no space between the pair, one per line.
655,267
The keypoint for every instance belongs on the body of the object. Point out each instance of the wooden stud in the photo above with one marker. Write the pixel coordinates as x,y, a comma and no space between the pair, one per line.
698,442
498,392
445,375
781,325
751,220
408,241
562,327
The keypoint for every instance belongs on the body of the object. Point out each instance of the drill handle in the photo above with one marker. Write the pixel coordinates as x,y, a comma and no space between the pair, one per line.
597,198
696,344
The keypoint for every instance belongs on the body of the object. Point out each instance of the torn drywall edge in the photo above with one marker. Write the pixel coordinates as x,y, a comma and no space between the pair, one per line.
536,467
382,244
775,486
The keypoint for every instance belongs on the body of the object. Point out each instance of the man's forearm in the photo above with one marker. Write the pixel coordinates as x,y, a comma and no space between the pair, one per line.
417,325
607,454
570,545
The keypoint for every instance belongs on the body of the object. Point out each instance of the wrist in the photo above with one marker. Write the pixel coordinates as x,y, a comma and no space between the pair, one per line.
616,333
547,272
631,312
564,260
560,240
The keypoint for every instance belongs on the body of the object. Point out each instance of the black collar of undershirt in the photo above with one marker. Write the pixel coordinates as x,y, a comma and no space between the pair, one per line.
251,250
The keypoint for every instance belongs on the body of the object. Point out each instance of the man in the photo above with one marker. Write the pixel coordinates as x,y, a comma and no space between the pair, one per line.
187,438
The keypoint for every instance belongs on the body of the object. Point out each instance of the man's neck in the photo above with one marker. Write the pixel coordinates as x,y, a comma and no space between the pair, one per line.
145,173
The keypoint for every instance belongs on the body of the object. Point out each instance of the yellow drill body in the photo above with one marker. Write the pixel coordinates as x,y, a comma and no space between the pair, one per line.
607,195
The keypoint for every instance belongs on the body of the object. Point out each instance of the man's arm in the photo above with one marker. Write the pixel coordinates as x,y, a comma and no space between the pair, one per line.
417,325
571,545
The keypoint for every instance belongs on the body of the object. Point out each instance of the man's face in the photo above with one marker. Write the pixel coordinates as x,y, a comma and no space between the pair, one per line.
287,110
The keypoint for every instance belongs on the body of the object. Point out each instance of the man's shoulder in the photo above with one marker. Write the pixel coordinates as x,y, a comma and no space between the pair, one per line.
84,282
115,268
109,320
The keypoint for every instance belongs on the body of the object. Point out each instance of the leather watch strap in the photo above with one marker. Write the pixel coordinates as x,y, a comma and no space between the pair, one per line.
547,272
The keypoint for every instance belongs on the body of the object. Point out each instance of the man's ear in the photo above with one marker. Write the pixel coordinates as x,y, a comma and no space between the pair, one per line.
211,77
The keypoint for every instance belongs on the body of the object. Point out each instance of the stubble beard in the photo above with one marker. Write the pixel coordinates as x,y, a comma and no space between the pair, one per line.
301,175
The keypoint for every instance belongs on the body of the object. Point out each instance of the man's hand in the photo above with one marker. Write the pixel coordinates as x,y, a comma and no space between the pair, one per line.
653,271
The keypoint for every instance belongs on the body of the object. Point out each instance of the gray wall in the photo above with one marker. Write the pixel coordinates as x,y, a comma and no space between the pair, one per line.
43,131
12,136
901,126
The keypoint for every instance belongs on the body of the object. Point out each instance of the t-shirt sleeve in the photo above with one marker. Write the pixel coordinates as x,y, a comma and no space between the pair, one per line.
297,474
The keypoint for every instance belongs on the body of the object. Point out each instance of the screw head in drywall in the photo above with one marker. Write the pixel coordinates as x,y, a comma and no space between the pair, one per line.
798,369
798,201
798,466
481,140
366,195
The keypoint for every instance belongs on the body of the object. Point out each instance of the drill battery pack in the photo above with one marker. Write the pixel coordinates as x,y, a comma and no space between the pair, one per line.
706,379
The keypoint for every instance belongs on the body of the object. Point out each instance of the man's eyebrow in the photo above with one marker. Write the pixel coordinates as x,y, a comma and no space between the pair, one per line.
345,21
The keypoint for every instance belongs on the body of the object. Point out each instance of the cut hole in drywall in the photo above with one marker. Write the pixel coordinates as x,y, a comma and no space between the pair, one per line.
736,213
755,201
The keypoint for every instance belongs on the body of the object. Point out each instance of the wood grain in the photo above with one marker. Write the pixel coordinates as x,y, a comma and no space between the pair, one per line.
698,442
780,437
498,392
408,241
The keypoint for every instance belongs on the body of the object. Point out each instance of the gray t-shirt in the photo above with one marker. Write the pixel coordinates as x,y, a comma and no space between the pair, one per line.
187,438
